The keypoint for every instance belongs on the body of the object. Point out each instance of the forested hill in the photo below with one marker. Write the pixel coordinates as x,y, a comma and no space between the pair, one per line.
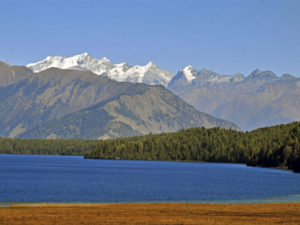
276,146
46,146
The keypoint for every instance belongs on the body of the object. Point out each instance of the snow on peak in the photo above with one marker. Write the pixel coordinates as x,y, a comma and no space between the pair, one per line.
149,74
189,67
82,61
150,64
104,59
188,73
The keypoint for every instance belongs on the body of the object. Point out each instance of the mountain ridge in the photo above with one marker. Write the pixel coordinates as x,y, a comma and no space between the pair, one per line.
122,72
250,101
103,66
37,98
257,100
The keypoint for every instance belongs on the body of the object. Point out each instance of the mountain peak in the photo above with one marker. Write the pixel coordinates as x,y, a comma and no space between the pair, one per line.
104,59
262,75
85,54
189,67
188,73
82,55
53,58
149,73
82,61
150,64
287,76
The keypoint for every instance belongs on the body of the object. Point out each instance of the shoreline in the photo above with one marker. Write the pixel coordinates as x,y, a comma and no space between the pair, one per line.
38,204
180,161
275,200
150,213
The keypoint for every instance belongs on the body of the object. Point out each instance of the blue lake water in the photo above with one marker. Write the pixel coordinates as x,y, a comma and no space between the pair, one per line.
29,178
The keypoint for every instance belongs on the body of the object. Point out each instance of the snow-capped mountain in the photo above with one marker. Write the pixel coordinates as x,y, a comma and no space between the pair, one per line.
188,73
189,76
149,74
80,62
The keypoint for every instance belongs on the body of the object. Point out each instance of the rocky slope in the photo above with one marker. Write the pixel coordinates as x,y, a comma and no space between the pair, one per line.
58,103
260,99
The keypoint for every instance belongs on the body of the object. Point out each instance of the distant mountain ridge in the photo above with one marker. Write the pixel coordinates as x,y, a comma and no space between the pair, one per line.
190,76
259,99
58,103
148,74
122,72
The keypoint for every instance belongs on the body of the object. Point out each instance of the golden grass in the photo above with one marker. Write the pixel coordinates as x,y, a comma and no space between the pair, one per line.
151,213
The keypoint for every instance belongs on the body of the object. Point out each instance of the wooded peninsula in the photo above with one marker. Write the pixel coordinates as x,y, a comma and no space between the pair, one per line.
276,146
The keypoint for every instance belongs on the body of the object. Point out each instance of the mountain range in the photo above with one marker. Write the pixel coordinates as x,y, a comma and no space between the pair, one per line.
73,103
122,72
259,99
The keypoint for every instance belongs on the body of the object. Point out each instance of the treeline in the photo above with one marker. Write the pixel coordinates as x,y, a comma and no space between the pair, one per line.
46,147
276,146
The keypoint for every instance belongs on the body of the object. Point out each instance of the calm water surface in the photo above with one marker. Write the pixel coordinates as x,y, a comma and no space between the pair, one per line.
29,178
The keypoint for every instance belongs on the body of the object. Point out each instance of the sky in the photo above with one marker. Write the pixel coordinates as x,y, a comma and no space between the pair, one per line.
226,36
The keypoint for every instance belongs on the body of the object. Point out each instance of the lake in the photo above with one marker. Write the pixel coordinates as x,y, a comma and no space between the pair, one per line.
34,178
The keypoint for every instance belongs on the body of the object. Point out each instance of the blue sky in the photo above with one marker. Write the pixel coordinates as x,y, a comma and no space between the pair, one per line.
225,36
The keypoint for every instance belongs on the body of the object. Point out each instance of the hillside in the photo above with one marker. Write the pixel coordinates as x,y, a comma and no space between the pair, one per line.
258,100
149,109
277,146
59,103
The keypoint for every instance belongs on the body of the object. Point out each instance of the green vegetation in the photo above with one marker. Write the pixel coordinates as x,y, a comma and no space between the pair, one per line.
276,146
46,147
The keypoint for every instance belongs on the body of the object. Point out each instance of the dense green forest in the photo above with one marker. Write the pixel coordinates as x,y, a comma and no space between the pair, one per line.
276,146
46,147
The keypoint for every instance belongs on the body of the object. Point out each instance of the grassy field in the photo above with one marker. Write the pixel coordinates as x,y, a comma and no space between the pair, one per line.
151,213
